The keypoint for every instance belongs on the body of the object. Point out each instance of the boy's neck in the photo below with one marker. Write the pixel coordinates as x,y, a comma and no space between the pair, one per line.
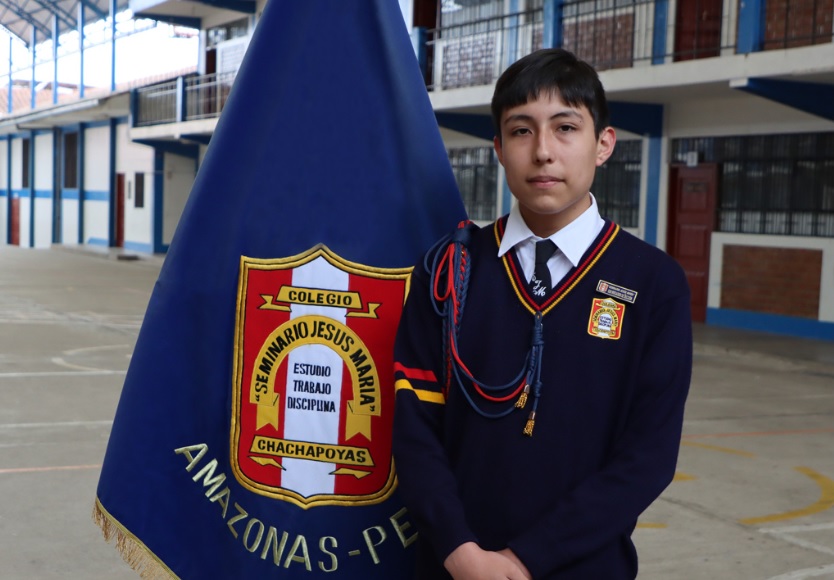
545,225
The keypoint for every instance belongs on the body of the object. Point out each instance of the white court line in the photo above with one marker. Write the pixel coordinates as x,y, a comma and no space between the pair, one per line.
56,424
806,573
60,374
788,534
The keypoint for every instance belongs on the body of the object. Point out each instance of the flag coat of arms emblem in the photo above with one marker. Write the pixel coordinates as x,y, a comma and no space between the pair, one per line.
312,402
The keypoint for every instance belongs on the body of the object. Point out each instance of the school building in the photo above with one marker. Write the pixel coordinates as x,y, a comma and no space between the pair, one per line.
724,111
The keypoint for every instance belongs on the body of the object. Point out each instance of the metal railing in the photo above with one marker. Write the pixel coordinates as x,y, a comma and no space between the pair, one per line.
184,99
614,34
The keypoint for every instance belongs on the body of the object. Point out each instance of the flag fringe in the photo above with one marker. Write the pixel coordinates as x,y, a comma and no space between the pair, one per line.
131,549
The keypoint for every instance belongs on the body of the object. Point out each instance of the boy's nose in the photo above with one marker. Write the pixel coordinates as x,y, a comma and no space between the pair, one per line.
544,150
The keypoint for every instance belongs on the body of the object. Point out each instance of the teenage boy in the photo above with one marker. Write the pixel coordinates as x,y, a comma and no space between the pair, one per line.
542,363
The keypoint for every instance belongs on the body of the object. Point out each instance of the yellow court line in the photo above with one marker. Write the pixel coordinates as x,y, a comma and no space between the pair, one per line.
761,433
681,476
825,502
56,468
718,448
651,526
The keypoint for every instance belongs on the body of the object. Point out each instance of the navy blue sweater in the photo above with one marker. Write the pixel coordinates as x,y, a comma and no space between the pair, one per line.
616,367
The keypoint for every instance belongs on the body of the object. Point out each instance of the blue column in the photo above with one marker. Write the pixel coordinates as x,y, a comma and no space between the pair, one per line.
32,189
54,59
82,154
32,51
112,45
181,100
661,15
751,15
81,25
653,189
552,33
158,200
9,180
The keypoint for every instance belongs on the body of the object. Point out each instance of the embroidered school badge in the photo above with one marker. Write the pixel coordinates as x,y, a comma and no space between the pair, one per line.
606,319
313,393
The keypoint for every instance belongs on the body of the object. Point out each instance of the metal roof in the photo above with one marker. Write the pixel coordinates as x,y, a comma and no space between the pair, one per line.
20,16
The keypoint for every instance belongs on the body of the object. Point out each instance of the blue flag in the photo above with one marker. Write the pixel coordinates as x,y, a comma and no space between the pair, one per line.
252,438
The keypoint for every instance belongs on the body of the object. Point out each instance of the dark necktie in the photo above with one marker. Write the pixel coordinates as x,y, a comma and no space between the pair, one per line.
541,284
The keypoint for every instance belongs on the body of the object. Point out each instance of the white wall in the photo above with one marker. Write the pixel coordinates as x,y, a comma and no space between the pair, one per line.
178,179
43,182
132,158
97,185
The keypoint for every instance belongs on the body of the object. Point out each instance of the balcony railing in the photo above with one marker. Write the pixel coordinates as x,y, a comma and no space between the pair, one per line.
615,34
184,99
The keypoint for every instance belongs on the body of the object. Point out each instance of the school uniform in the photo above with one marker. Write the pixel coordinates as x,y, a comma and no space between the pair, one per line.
608,356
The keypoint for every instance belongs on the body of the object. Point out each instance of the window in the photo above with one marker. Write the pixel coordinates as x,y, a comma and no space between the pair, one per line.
616,185
476,173
139,198
228,31
71,160
24,180
770,184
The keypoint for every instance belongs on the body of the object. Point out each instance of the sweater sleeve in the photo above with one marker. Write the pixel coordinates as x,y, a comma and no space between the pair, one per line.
426,481
608,503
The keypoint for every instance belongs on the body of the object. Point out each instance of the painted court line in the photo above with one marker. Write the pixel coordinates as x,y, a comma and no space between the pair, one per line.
718,448
56,424
825,502
55,468
806,573
60,374
762,433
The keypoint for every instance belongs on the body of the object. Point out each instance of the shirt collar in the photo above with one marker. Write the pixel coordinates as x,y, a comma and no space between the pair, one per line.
573,239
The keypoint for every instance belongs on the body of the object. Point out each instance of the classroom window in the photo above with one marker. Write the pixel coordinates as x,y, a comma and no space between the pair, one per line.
770,184
139,197
476,173
616,184
26,145
71,160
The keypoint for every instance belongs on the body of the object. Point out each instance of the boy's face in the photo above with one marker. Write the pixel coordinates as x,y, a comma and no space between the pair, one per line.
550,154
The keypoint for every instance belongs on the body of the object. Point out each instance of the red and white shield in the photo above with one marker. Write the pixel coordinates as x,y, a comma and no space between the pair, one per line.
313,397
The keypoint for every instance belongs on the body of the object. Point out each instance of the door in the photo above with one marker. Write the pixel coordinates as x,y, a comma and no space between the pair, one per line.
697,29
14,232
119,240
692,202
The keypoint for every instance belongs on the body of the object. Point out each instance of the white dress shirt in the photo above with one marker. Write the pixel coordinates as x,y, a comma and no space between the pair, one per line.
572,241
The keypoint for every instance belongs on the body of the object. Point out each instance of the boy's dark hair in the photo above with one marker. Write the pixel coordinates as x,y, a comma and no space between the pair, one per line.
551,70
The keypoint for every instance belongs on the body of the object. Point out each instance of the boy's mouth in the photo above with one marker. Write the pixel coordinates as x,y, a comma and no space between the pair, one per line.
544,180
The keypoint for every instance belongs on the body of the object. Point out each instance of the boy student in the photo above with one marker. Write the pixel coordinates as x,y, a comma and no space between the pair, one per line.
542,362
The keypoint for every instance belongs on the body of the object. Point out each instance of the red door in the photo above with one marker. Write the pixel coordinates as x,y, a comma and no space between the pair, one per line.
697,29
14,234
691,222
120,211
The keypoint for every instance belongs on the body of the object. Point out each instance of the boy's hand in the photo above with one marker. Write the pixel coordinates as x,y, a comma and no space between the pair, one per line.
507,553
469,562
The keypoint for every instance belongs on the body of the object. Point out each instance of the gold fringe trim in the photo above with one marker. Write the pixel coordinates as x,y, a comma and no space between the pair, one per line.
130,548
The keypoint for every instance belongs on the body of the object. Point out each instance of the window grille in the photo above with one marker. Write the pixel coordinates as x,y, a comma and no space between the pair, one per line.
770,184
476,173
616,185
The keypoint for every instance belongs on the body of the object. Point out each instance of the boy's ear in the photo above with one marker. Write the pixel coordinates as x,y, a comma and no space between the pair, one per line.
496,143
605,145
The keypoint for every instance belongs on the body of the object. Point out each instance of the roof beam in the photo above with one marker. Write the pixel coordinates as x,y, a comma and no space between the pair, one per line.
24,16
814,98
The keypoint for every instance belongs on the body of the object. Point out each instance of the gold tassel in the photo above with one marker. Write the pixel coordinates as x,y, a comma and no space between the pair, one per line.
522,399
131,549
531,422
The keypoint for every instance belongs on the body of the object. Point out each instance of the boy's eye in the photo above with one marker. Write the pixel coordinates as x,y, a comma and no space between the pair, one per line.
565,128
520,131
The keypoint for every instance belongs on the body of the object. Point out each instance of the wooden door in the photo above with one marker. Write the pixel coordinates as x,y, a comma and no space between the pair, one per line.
119,211
14,222
692,200
697,29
